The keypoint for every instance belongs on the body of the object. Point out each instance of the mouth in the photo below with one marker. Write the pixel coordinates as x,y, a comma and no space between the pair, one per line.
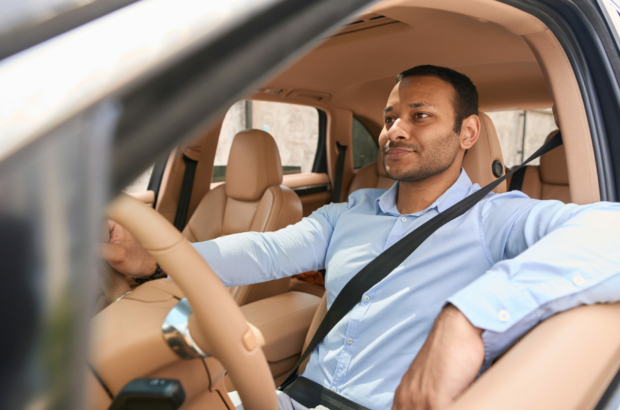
394,153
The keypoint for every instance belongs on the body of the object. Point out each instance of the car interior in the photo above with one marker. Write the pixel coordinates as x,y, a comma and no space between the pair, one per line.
515,62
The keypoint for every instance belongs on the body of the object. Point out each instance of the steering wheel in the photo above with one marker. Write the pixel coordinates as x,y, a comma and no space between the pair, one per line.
216,325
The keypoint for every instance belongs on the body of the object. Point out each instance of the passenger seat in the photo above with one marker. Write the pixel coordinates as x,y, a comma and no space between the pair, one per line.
251,199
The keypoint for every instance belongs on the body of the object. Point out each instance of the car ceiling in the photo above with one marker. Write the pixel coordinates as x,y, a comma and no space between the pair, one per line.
356,68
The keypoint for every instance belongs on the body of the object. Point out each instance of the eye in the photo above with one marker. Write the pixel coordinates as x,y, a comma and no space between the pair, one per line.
388,120
420,115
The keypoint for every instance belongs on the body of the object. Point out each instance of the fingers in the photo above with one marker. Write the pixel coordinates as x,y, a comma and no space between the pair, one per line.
111,225
112,253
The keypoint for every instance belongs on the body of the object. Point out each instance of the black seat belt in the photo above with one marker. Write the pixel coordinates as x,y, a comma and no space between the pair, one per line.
186,192
380,267
516,183
337,188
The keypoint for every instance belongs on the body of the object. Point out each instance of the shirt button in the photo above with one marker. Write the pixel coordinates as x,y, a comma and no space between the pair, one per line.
404,219
366,298
350,341
334,389
503,315
579,281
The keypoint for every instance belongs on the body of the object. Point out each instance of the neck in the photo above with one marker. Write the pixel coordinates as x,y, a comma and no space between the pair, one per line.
417,196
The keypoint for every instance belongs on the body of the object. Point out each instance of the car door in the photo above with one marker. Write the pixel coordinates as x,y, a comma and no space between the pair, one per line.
582,339
88,103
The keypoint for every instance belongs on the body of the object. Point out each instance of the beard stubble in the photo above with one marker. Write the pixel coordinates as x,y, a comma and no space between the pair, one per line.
433,160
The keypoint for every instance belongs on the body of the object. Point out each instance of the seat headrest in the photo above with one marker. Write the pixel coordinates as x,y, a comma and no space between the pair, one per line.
481,158
553,167
253,165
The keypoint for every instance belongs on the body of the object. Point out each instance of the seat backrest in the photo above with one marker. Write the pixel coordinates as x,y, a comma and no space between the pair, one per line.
371,176
251,199
550,179
479,163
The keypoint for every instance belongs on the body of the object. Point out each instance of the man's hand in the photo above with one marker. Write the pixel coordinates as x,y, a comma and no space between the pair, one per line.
125,254
445,366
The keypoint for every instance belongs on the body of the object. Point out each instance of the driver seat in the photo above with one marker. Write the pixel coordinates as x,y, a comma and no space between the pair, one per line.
478,163
251,199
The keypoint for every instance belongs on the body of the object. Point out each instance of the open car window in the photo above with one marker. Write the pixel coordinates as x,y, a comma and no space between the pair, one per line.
521,133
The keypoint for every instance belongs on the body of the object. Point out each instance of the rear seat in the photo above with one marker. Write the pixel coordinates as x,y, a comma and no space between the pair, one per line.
550,179
371,176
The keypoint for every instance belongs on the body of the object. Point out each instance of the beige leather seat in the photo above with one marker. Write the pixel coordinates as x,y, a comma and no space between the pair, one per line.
550,179
251,199
478,162
371,176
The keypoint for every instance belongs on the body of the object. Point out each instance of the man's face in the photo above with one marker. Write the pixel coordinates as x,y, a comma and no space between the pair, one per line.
418,138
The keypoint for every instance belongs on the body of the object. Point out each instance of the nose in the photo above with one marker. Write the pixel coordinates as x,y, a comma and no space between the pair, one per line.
397,132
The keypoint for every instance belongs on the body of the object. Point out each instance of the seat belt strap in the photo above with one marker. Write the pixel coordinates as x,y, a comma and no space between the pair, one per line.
380,267
310,394
186,192
337,188
516,183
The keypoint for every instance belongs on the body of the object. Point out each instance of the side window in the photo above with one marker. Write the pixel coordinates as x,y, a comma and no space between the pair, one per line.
521,133
295,129
365,147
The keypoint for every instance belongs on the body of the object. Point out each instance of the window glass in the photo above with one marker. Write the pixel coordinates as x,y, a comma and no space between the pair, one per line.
521,133
295,129
365,147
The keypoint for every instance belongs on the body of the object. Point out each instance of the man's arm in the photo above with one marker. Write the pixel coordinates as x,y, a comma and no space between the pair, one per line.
445,366
550,257
244,258
562,256
253,257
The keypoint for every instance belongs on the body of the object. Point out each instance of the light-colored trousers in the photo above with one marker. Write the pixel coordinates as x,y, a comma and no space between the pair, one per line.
284,402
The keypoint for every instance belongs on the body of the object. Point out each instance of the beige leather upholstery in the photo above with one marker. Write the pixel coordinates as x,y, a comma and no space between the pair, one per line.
283,321
252,199
550,179
478,162
371,176
253,165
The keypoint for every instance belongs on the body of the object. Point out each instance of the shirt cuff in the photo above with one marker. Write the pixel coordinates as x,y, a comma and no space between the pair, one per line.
493,303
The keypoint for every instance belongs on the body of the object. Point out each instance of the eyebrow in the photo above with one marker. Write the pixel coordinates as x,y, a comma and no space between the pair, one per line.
420,104
412,105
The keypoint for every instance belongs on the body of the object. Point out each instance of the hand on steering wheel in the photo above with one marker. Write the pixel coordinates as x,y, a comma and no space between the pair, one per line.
216,325
126,259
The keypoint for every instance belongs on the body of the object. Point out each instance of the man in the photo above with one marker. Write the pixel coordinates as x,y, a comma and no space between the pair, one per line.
418,338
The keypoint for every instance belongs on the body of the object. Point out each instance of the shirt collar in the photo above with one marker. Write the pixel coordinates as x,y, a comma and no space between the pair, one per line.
387,202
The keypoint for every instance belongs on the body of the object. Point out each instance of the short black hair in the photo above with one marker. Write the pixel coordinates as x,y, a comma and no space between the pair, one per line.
466,102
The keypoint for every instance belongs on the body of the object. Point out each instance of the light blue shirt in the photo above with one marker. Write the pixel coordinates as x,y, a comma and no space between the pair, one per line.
507,264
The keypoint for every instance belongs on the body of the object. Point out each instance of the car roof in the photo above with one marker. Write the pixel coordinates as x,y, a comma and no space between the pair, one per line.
356,68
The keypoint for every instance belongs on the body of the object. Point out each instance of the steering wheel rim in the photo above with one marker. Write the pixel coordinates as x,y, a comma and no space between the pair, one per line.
234,343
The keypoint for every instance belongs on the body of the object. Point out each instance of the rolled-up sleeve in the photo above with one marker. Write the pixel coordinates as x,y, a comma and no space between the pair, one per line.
253,257
548,257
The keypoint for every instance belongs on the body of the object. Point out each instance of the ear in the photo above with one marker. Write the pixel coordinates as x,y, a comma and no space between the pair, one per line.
470,131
